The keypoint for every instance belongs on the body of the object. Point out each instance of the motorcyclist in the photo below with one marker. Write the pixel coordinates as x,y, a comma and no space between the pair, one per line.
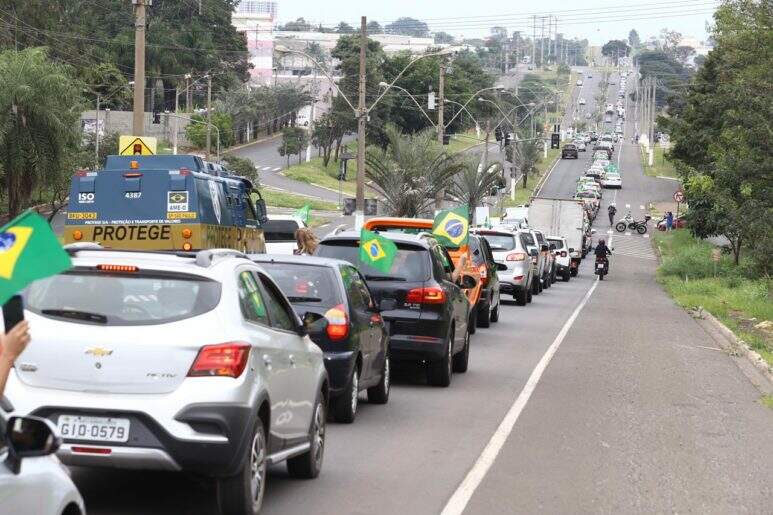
602,251
612,210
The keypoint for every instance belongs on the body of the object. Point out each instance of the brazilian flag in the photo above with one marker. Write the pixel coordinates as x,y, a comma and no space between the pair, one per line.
29,250
304,213
452,226
376,251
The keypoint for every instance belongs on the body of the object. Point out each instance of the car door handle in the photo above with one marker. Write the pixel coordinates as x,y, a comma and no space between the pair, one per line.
267,360
292,360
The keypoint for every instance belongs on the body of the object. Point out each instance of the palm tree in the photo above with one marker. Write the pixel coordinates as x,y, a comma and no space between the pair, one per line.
525,155
39,110
410,172
474,183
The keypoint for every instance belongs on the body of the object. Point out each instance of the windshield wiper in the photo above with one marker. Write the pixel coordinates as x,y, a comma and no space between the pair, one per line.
384,278
78,315
304,299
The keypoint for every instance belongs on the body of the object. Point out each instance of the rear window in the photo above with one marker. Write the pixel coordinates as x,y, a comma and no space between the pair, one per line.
306,285
90,297
478,253
280,230
558,243
411,263
500,242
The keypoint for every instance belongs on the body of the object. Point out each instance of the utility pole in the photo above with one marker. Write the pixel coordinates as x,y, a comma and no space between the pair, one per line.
209,115
440,122
533,37
542,43
311,117
187,92
652,120
96,136
176,112
359,214
138,114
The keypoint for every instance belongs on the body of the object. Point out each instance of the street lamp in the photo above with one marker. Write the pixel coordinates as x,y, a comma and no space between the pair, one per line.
361,113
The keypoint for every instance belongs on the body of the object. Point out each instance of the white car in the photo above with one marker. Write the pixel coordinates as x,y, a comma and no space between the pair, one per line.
580,144
581,101
563,259
32,480
279,232
190,362
612,180
579,82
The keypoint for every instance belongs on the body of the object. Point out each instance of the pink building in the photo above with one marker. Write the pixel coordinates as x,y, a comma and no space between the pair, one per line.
255,18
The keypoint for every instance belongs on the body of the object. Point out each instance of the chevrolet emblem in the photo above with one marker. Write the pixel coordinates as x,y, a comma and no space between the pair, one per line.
99,352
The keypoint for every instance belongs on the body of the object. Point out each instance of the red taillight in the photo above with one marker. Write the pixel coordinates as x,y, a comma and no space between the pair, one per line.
92,450
517,278
224,360
563,253
431,295
483,271
118,268
337,323
516,256
184,171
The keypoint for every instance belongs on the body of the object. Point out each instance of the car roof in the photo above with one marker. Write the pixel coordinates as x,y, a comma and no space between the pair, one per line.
297,260
482,231
397,237
285,217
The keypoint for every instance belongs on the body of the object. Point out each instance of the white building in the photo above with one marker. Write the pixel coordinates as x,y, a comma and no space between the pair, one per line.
255,18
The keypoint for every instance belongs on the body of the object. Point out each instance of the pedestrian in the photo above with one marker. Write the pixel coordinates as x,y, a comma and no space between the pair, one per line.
612,210
307,242
12,344
669,221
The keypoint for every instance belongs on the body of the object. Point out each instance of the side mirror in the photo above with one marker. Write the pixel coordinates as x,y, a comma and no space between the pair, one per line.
544,248
387,305
571,249
468,282
30,437
593,231
501,267
552,246
533,252
260,208
314,324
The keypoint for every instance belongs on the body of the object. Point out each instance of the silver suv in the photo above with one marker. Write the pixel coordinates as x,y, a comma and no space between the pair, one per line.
508,249
189,362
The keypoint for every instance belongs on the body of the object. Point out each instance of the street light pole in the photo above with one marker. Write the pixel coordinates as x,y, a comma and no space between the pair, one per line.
359,213
209,115
96,135
138,108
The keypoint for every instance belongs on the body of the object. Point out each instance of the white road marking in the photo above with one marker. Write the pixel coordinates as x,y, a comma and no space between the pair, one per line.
266,168
628,206
461,497
276,169
641,207
628,234
646,236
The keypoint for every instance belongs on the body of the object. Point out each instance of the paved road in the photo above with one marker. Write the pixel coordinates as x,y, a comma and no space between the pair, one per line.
636,412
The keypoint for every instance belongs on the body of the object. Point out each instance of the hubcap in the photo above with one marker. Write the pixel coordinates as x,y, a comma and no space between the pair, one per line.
319,435
257,468
450,353
355,391
387,372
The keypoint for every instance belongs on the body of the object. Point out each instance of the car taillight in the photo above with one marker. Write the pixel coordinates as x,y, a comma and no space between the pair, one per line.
223,360
483,271
337,323
431,295
516,256
563,253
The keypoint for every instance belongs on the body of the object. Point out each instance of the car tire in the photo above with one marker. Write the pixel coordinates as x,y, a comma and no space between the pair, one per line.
483,316
566,275
242,494
344,406
472,322
379,394
574,272
461,360
440,371
495,313
521,297
546,282
529,296
309,464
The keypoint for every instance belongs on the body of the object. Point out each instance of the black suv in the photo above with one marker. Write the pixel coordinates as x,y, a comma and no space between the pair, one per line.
426,313
570,150
483,258
355,340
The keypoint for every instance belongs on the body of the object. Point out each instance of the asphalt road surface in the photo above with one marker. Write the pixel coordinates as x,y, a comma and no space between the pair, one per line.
637,411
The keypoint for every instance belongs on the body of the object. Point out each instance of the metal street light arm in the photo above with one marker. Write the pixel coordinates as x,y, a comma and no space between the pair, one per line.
474,95
463,108
385,85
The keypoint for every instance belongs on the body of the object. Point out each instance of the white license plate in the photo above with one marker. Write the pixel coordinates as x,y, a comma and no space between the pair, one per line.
599,267
100,429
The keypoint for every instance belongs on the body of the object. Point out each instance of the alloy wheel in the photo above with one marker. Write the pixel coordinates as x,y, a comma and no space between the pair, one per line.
258,467
355,390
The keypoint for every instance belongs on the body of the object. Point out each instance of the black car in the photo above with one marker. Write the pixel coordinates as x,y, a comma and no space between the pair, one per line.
483,259
355,341
569,151
426,313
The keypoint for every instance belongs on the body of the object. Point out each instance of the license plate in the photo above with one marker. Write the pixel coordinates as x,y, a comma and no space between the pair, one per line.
599,267
100,429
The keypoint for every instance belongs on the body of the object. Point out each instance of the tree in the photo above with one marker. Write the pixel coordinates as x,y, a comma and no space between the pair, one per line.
196,131
525,154
299,25
242,167
669,72
670,40
293,142
374,27
615,49
408,27
410,172
444,38
344,28
633,39
683,53
39,109
474,183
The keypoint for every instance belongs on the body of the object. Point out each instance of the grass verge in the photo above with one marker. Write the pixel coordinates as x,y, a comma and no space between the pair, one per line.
661,167
688,274
275,198
522,195
316,173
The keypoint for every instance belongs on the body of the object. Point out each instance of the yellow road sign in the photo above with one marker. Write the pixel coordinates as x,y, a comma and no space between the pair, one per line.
136,145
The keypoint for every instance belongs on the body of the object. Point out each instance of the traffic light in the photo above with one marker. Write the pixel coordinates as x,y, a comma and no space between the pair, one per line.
342,170
508,138
555,140
156,117
446,139
498,134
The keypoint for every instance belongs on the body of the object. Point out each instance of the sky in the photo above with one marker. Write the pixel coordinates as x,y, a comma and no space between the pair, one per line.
597,20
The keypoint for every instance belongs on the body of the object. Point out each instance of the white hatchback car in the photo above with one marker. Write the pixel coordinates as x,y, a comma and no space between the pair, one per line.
279,232
191,362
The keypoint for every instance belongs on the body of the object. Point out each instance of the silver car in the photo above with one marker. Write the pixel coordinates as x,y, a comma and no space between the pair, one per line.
508,249
190,362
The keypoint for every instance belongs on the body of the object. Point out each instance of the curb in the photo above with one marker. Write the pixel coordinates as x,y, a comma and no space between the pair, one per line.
736,345
254,142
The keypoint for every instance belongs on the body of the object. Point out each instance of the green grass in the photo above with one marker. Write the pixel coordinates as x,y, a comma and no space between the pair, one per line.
767,400
461,142
660,165
522,195
314,172
275,198
688,274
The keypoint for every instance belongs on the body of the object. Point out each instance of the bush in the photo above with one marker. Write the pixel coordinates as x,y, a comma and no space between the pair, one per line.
196,131
242,167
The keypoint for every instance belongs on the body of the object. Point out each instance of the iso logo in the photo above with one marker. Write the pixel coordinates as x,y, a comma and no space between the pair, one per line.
85,198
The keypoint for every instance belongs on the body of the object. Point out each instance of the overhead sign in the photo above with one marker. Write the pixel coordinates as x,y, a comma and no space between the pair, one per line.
679,196
136,146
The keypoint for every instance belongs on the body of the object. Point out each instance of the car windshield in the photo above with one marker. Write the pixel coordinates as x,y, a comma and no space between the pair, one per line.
308,285
88,296
280,230
558,243
500,242
411,262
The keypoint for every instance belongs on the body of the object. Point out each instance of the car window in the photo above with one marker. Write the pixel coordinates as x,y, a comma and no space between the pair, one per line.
487,249
303,284
353,291
558,243
527,239
410,264
281,314
478,253
363,286
251,299
280,230
444,261
500,242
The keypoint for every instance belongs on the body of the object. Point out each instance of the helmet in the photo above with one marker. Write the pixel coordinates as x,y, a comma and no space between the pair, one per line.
601,242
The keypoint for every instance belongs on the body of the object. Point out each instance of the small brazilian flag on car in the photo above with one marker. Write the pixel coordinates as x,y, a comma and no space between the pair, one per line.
376,251
451,227
29,250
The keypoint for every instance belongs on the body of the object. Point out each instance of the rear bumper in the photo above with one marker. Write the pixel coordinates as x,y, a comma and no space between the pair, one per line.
339,366
415,339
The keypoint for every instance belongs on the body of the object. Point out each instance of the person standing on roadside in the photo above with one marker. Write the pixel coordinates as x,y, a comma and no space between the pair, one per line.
12,344
612,210
669,221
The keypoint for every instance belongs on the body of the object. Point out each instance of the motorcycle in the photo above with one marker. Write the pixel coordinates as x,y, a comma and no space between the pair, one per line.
602,267
628,223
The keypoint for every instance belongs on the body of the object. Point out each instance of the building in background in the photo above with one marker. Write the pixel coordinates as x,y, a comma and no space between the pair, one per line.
255,18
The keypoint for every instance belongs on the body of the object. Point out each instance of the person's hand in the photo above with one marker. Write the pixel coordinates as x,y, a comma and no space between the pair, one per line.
13,343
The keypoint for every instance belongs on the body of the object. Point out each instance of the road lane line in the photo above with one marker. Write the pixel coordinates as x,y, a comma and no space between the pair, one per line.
461,497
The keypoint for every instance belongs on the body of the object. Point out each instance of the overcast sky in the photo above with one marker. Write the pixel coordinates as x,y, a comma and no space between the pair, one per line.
598,20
